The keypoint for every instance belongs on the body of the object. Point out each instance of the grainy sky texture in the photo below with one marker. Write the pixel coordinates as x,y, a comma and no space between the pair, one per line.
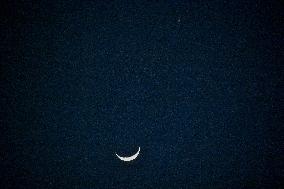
198,85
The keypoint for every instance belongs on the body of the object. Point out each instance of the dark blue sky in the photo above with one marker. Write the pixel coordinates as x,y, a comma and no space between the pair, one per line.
198,85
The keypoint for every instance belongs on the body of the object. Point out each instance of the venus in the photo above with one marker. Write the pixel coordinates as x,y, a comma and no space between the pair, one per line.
129,158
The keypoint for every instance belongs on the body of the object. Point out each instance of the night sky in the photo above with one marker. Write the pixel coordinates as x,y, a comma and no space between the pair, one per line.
198,85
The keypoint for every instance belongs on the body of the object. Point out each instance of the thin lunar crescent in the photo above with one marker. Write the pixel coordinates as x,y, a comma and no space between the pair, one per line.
130,158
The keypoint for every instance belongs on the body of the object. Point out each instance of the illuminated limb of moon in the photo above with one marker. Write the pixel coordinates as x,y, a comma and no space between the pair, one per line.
130,158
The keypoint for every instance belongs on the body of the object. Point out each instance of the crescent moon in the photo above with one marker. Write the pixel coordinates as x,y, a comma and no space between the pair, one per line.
130,158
